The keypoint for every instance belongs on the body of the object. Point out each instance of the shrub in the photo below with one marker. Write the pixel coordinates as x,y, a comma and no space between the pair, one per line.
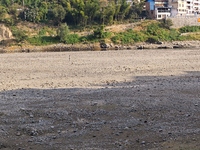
115,39
44,40
63,32
189,29
173,35
72,38
42,32
153,29
167,23
153,39
19,35
98,33
106,34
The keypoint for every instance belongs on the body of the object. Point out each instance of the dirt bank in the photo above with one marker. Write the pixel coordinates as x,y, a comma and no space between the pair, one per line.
128,99
100,46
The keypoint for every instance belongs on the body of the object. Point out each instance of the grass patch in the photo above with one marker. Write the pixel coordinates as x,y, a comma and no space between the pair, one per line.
189,29
43,40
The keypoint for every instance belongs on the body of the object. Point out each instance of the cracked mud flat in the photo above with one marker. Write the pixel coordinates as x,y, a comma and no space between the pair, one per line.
136,99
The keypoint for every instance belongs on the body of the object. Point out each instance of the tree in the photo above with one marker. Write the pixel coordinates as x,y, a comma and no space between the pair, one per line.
110,12
137,8
43,10
117,10
92,8
99,32
124,9
168,23
3,11
59,13
63,32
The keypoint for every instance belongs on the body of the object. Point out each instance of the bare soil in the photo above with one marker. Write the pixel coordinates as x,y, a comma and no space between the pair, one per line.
130,99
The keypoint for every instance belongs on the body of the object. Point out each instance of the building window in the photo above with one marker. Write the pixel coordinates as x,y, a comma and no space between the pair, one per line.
179,5
159,16
182,5
152,12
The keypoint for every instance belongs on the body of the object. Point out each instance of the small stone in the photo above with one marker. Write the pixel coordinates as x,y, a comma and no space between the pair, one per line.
94,104
195,104
18,134
143,142
30,140
94,135
31,116
52,127
160,130
33,133
117,134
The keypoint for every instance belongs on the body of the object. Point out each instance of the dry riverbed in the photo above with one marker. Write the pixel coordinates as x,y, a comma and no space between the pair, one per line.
128,99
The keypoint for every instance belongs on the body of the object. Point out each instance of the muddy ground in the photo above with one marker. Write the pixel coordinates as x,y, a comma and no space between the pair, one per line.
135,99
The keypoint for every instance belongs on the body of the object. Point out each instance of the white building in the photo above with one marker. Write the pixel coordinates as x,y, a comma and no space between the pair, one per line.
162,12
178,7
193,6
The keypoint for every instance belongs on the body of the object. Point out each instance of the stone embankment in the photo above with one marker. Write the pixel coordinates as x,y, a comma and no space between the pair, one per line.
158,45
106,46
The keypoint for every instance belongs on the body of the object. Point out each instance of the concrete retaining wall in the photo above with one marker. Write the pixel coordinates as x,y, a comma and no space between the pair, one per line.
185,21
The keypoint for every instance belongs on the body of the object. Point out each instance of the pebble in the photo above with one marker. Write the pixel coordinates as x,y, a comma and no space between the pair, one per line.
94,104
143,142
18,134
160,130
117,134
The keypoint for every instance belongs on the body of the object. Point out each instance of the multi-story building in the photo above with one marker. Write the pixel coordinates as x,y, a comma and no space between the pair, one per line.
196,6
189,6
157,9
178,7
193,6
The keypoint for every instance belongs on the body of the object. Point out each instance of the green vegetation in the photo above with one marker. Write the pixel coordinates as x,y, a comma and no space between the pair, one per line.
63,32
153,32
19,35
43,40
73,12
189,29
60,16
72,38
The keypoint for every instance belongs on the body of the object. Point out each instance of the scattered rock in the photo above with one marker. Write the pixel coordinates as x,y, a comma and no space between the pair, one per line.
18,133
